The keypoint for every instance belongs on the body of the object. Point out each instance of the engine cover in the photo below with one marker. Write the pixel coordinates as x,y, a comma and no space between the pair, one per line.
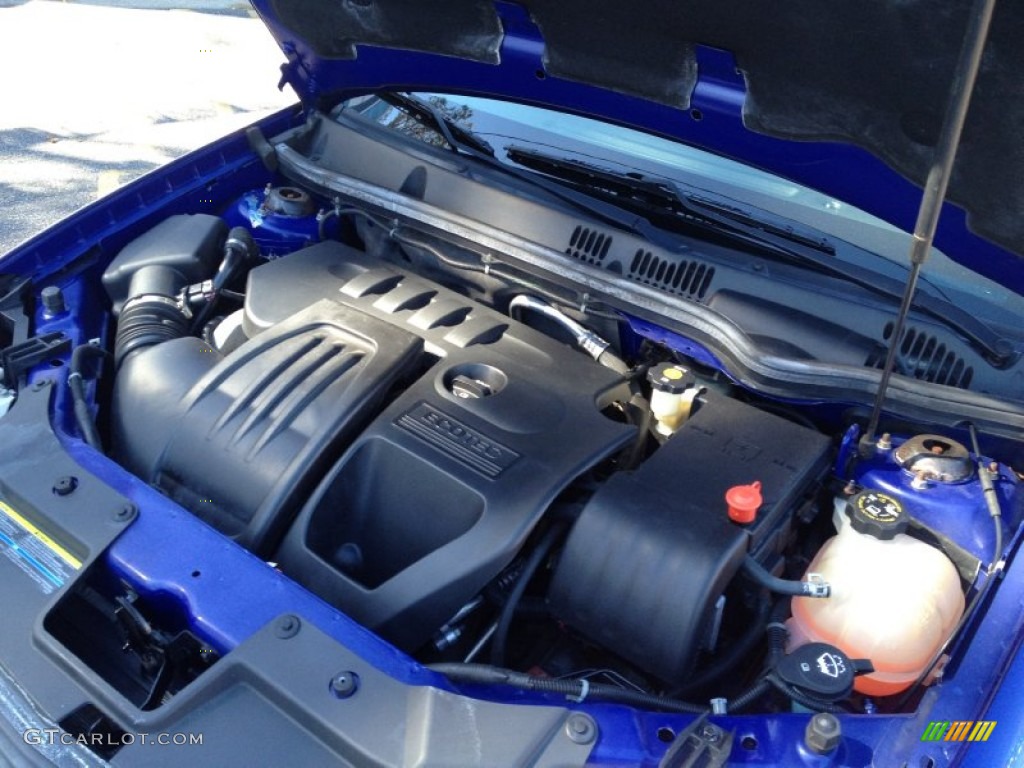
398,441
240,440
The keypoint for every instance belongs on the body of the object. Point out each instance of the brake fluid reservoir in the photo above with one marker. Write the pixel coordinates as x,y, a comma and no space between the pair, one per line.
895,600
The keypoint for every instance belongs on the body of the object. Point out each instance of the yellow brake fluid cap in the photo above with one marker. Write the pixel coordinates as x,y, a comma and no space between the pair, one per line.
671,378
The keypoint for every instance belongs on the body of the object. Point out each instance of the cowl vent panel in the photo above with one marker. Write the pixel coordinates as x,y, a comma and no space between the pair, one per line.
589,245
923,356
682,277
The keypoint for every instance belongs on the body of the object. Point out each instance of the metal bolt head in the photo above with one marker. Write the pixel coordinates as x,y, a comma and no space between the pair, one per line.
344,684
287,626
65,484
53,300
823,733
581,729
711,734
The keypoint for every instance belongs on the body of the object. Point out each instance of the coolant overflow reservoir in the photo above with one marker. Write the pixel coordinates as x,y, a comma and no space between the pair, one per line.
895,600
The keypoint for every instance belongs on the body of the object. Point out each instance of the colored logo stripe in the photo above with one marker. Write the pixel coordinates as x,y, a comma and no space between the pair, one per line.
982,730
958,730
935,731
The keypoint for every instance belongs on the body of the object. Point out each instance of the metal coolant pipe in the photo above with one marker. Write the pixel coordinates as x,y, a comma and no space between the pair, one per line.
935,188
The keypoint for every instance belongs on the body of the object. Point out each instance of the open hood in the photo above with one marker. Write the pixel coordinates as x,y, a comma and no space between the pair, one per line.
863,86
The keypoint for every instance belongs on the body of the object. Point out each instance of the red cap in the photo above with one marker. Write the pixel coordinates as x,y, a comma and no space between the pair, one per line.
744,501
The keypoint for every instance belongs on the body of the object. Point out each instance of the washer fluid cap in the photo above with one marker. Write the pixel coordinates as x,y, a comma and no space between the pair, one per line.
744,501
877,514
822,670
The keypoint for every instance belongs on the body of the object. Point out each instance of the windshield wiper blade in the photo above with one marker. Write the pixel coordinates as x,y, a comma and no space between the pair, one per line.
653,197
669,203
463,141
988,340
456,136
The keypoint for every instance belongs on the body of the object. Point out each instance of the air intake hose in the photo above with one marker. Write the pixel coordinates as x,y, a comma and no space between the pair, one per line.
147,320
146,279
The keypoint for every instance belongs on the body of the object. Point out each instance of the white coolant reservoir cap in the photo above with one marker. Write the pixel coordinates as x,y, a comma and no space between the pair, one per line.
877,514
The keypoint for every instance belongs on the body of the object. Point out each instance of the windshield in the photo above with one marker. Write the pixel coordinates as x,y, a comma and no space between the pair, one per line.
508,126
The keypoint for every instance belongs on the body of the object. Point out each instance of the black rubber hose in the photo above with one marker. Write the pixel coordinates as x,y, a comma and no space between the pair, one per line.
739,649
239,249
508,612
576,690
533,608
636,448
777,633
737,652
339,211
760,576
76,383
752,694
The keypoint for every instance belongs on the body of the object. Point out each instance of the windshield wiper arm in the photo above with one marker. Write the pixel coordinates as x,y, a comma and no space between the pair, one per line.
463,141
670,203
454,134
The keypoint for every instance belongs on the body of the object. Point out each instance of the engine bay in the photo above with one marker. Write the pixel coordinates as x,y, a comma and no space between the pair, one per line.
512,399
516,491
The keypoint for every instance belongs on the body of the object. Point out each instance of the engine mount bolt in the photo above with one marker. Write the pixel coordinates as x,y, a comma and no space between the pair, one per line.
65,485
581,729
885,442
344,684
287,626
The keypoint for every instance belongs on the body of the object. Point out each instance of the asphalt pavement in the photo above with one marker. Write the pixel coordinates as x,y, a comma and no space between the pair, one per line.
94,94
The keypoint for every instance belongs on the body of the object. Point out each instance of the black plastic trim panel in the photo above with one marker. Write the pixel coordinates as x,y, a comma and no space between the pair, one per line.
80,516
516,226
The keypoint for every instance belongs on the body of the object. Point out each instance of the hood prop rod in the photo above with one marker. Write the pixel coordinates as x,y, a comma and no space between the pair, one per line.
935,190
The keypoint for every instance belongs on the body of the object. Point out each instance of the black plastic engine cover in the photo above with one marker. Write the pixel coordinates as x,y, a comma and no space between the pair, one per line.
242,440
440,491
654,549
